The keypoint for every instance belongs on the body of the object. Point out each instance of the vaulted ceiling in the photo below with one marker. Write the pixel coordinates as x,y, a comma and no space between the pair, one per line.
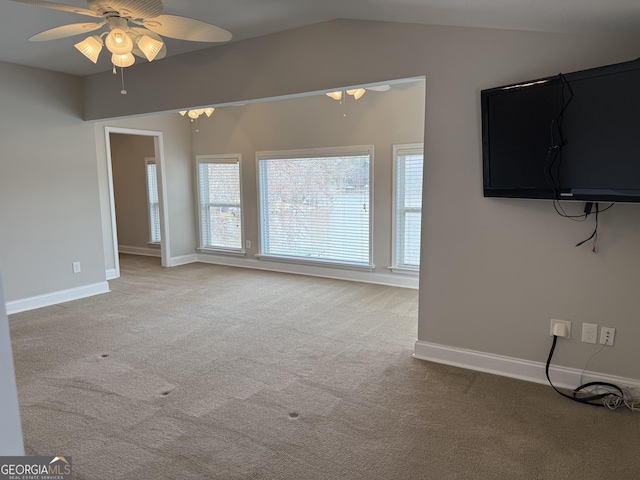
252,18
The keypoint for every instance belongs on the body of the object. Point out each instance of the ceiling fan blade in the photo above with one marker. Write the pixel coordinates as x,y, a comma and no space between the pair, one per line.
128,8
184,28
380,88
60,6
65,31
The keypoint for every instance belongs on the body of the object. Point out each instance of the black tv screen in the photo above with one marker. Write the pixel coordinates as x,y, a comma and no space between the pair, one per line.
573,136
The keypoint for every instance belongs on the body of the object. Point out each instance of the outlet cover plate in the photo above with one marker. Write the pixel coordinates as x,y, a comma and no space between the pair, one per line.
589,333
603,336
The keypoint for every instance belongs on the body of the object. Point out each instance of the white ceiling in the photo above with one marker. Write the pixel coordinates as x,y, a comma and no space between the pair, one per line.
251,18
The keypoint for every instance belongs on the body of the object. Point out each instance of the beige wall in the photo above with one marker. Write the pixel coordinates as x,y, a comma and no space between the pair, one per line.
128,153
381,119
494,271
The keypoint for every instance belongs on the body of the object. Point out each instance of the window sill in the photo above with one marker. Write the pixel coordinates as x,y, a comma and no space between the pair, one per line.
315,263
154,244
223,251
405,271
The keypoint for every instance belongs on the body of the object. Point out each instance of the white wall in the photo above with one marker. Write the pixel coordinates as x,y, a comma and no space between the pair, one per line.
494,271
381,119
49,204
11,443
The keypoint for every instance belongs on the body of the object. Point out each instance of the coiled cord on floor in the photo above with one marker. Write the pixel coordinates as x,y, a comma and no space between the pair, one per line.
612,396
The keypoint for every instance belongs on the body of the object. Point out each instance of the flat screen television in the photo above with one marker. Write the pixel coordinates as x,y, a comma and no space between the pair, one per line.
573,136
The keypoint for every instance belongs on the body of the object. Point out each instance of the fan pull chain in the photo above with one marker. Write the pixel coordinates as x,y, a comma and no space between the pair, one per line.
123,91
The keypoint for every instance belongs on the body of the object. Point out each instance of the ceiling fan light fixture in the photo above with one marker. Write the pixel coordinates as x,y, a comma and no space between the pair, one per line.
123,61
356,92
118,42
193,114
335,95
149,46
90,47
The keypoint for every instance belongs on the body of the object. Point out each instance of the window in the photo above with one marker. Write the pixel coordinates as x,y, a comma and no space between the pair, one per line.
220,205
152,197
408,161
315,205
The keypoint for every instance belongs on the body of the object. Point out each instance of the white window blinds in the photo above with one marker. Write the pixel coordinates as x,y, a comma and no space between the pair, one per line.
154,205
220,202
315,205
408,202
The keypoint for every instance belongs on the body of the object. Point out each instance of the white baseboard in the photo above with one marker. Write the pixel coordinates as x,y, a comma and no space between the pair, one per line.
528,370
146,251
112,274
402,281
54,298
182,260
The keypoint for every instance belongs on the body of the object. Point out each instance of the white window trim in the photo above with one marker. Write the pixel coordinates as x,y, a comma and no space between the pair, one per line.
316,153
220,158
147,161
398,150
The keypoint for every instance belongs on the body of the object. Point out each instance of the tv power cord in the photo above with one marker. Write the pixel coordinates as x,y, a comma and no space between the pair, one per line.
611,397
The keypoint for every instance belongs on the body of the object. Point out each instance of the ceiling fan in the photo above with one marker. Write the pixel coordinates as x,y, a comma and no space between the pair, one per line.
134,27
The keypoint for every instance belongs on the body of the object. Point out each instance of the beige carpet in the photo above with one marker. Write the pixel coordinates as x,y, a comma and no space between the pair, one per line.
206,372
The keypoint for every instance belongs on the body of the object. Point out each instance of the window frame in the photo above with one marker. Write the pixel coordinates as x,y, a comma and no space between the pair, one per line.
397,250
230,158
328,152
152,242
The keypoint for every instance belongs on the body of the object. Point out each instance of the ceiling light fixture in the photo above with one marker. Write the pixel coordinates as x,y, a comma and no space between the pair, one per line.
118,42
90,47
194,114
150,47
356,93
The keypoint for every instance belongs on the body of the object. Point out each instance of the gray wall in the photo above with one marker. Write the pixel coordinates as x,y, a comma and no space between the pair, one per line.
381,119
176,136
494,271
11,432
128,153
49,204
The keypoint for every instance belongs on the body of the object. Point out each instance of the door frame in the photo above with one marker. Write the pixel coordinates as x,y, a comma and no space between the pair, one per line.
158,144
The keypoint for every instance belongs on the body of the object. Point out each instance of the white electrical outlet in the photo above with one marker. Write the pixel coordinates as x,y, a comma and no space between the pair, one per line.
589,333
554,331
607,335
76,267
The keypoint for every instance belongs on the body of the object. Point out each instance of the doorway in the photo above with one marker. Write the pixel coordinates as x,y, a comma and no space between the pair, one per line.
158,155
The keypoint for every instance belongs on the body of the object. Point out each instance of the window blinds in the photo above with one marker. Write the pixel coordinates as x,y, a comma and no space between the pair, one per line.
316,208
409,166
220,204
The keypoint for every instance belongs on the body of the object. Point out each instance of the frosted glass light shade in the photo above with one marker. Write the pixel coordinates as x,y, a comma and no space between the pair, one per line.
150,47
118,42
123,61
335,95
193,114
182,112
90,47
209,111
356,92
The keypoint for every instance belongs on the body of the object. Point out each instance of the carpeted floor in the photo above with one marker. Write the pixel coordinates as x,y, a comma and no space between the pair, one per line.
207,372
